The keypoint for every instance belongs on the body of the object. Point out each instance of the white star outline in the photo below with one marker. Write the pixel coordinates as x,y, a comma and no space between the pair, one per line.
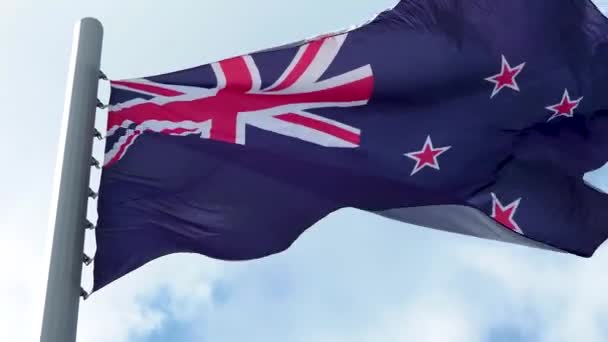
565,98
419,164
504,67
513,205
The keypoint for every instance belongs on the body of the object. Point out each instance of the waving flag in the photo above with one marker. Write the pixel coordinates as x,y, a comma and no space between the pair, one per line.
470,116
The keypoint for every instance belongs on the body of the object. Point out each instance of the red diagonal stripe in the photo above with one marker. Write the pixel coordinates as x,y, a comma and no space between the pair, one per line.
123,148
305,61
321,126
148,88
237,74
178,130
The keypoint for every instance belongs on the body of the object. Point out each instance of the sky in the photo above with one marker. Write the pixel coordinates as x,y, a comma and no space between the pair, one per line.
352,277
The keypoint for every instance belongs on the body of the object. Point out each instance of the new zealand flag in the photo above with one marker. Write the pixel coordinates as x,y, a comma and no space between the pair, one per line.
479,117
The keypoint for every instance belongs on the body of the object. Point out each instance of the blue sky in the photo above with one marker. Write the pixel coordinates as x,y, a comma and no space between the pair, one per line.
352,277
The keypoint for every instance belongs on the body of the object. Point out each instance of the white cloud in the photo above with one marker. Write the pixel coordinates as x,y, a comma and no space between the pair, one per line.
602,5
434,317
125,309
17,286
568,293
436,320
448,288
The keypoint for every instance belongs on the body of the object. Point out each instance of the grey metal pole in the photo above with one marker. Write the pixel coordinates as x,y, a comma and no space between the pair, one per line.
69,202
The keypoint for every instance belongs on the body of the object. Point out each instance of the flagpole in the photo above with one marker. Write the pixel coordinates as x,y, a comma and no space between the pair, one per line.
69,201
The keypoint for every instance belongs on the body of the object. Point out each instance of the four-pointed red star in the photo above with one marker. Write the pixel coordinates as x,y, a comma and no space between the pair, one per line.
427,156
565,108
504,214
506,77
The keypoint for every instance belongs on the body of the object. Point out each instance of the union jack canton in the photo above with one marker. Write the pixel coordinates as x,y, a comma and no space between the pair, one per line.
223,112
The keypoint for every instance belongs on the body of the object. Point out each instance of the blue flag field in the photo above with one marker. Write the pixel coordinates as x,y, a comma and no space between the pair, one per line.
477,117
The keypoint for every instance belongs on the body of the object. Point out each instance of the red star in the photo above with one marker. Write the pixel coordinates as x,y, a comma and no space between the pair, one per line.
504,214
506,77
427,156
565,108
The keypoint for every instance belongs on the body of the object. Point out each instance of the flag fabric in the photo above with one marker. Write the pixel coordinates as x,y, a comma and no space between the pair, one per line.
478,117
